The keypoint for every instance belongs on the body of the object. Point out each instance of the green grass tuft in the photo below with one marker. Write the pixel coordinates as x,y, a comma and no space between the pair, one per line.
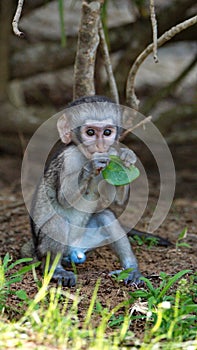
51,319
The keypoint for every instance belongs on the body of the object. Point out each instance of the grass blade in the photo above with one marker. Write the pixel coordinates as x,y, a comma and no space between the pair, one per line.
172,281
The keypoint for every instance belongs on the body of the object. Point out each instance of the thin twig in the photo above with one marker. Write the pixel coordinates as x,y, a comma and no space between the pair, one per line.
108,66
154,27
131,98
143,122
17,18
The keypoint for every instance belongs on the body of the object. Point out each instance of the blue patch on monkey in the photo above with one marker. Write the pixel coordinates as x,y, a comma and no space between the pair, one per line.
76,256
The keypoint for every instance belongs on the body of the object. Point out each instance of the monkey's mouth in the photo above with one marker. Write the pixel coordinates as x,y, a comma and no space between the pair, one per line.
98,170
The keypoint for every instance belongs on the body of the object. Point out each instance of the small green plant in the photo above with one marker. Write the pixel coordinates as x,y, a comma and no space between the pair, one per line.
181,237
149,241
171,315
153,295
52,318
57,320
175,320
120,275
7,279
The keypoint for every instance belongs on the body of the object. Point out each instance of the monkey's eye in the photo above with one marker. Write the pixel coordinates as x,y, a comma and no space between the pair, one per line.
90,132
107,132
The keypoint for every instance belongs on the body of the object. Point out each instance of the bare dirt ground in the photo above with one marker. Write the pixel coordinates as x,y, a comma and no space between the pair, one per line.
14,231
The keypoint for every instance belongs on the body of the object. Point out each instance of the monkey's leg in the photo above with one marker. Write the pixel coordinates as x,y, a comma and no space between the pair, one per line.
123,250
121,246
52,238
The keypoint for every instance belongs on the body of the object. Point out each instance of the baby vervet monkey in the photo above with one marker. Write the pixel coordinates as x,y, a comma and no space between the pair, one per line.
71,211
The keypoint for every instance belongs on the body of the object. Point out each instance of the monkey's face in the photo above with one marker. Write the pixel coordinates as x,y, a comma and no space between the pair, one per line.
97,137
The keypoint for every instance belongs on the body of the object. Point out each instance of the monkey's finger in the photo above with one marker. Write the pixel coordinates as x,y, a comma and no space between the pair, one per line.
134,279
128,157
68,282
100,163
64,278
114,273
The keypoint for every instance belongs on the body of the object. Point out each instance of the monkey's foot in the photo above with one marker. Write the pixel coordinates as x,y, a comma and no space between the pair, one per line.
132,277
63,277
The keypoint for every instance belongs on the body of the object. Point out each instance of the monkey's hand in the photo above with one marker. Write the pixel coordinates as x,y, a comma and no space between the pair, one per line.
127,156
132,278
99,162
91,169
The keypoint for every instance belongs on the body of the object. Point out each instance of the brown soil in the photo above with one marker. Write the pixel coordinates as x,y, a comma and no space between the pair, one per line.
14,228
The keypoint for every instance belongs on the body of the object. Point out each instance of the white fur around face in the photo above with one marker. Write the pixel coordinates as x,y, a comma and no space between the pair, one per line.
98,136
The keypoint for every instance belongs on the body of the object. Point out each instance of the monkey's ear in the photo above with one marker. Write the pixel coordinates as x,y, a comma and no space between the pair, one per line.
63,128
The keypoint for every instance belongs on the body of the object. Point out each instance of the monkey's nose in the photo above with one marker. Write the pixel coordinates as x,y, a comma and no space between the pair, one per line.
100,147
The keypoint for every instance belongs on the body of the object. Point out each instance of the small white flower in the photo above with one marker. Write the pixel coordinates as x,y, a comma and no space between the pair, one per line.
165,305
149,314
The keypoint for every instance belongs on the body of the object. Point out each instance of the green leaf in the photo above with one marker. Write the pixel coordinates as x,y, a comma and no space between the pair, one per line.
149,285
117,174
19,261
186,245
12,280
26,269
21,294
123,274
6,260
172,281
183,234
141,293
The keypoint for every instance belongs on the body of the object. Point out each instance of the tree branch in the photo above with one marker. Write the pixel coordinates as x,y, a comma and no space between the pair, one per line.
108,66
17,18
88,41
142,123
131,98
154,27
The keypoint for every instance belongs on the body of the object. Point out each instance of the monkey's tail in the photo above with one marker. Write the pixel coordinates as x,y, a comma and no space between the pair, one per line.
160,240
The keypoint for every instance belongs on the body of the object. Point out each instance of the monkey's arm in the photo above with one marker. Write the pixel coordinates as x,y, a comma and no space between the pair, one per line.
79,187
74,179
